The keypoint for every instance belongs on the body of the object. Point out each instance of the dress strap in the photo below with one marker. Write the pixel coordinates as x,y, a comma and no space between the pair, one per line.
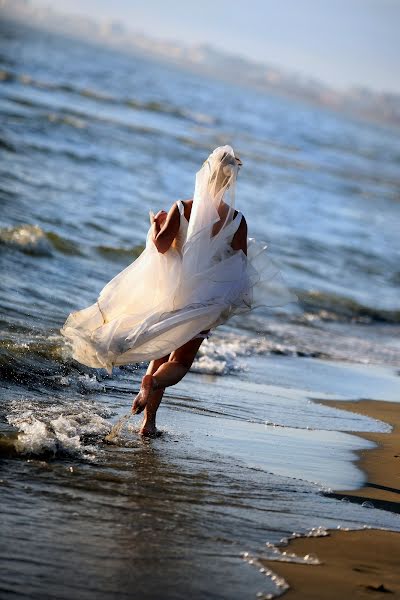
237,219
180,207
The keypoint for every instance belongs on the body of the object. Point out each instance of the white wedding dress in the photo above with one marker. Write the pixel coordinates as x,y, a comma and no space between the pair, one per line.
161,301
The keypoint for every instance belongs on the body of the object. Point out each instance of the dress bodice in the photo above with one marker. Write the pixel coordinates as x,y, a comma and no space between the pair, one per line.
181,236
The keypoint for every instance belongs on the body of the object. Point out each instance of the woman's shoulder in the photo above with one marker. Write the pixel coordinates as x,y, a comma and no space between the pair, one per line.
187,202
187,207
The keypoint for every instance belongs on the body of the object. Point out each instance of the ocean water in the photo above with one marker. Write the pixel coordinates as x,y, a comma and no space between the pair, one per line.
91,139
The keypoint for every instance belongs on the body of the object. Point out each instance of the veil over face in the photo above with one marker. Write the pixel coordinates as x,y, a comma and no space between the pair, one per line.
213,202
216,184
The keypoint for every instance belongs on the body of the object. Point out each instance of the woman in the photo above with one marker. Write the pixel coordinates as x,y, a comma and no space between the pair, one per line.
193,275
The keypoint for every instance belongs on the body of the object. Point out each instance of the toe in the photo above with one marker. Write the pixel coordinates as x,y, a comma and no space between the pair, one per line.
137,407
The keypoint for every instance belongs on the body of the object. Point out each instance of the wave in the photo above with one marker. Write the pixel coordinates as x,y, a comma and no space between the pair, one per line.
225,353
342,342
5,145
104,97
116,254
66,119
169,109
33,359
332,307
32,239
7,76
44,360
62,244
77,118
61,428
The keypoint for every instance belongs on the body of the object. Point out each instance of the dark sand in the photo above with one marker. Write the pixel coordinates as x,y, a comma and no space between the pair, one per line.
382,464
356,564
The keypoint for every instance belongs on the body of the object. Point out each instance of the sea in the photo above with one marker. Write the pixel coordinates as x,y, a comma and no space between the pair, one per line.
91,139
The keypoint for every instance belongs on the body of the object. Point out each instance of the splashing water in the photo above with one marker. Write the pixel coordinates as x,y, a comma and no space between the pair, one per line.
117,428
64,428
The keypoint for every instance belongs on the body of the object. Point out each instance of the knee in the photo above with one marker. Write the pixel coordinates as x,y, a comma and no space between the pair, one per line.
160,361
182,365
185,362
155,364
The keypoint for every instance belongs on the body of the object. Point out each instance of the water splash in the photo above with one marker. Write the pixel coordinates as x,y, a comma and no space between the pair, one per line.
117,428
71,428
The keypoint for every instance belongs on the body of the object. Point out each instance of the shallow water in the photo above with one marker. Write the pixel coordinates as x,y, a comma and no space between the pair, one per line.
90,520
89,145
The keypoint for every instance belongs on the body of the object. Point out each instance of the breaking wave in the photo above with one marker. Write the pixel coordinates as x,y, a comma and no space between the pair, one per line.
332,307
63,428
32,239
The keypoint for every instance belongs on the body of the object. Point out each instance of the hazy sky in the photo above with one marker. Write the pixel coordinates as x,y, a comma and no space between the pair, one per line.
342,42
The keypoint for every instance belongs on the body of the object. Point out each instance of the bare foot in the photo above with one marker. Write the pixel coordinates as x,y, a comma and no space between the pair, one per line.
140,401
149,430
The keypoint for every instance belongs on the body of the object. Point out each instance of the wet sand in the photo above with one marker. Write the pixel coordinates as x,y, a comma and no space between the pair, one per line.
382,464
365,563
355,564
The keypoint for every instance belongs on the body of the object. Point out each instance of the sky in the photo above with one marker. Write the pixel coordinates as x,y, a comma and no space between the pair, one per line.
341,42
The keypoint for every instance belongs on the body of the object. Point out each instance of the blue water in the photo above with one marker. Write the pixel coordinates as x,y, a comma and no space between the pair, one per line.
91,139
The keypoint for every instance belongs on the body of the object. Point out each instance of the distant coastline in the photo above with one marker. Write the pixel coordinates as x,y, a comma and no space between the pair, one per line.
380,107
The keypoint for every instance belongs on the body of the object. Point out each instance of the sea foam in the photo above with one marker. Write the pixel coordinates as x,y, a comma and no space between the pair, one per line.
61,428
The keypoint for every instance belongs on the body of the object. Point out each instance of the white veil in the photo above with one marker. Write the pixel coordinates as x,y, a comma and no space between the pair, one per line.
213,202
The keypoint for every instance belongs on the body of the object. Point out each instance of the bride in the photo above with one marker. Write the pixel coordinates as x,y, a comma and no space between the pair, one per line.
198,269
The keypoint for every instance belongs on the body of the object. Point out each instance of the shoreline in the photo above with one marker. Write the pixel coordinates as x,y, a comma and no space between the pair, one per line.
380,464
363,563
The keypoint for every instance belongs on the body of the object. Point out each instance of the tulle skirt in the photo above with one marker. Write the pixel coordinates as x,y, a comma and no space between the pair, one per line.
158,303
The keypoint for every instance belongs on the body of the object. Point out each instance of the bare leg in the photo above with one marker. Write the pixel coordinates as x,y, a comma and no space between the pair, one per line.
148,427
159,375
179,363
142,397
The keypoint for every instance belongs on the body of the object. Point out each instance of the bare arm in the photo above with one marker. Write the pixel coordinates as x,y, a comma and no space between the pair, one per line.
165,228
239,240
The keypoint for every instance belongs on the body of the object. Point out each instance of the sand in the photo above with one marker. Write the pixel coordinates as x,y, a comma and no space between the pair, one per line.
382,464
356,564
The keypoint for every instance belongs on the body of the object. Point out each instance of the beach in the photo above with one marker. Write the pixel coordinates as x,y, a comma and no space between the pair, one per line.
355,563
381,465
271,437
361,564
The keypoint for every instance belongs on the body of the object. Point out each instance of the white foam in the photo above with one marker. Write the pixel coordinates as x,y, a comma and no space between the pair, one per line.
34,438
318,532
28,238
221,354
66,428
341,343
210,366
275,553
280,583
90,383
